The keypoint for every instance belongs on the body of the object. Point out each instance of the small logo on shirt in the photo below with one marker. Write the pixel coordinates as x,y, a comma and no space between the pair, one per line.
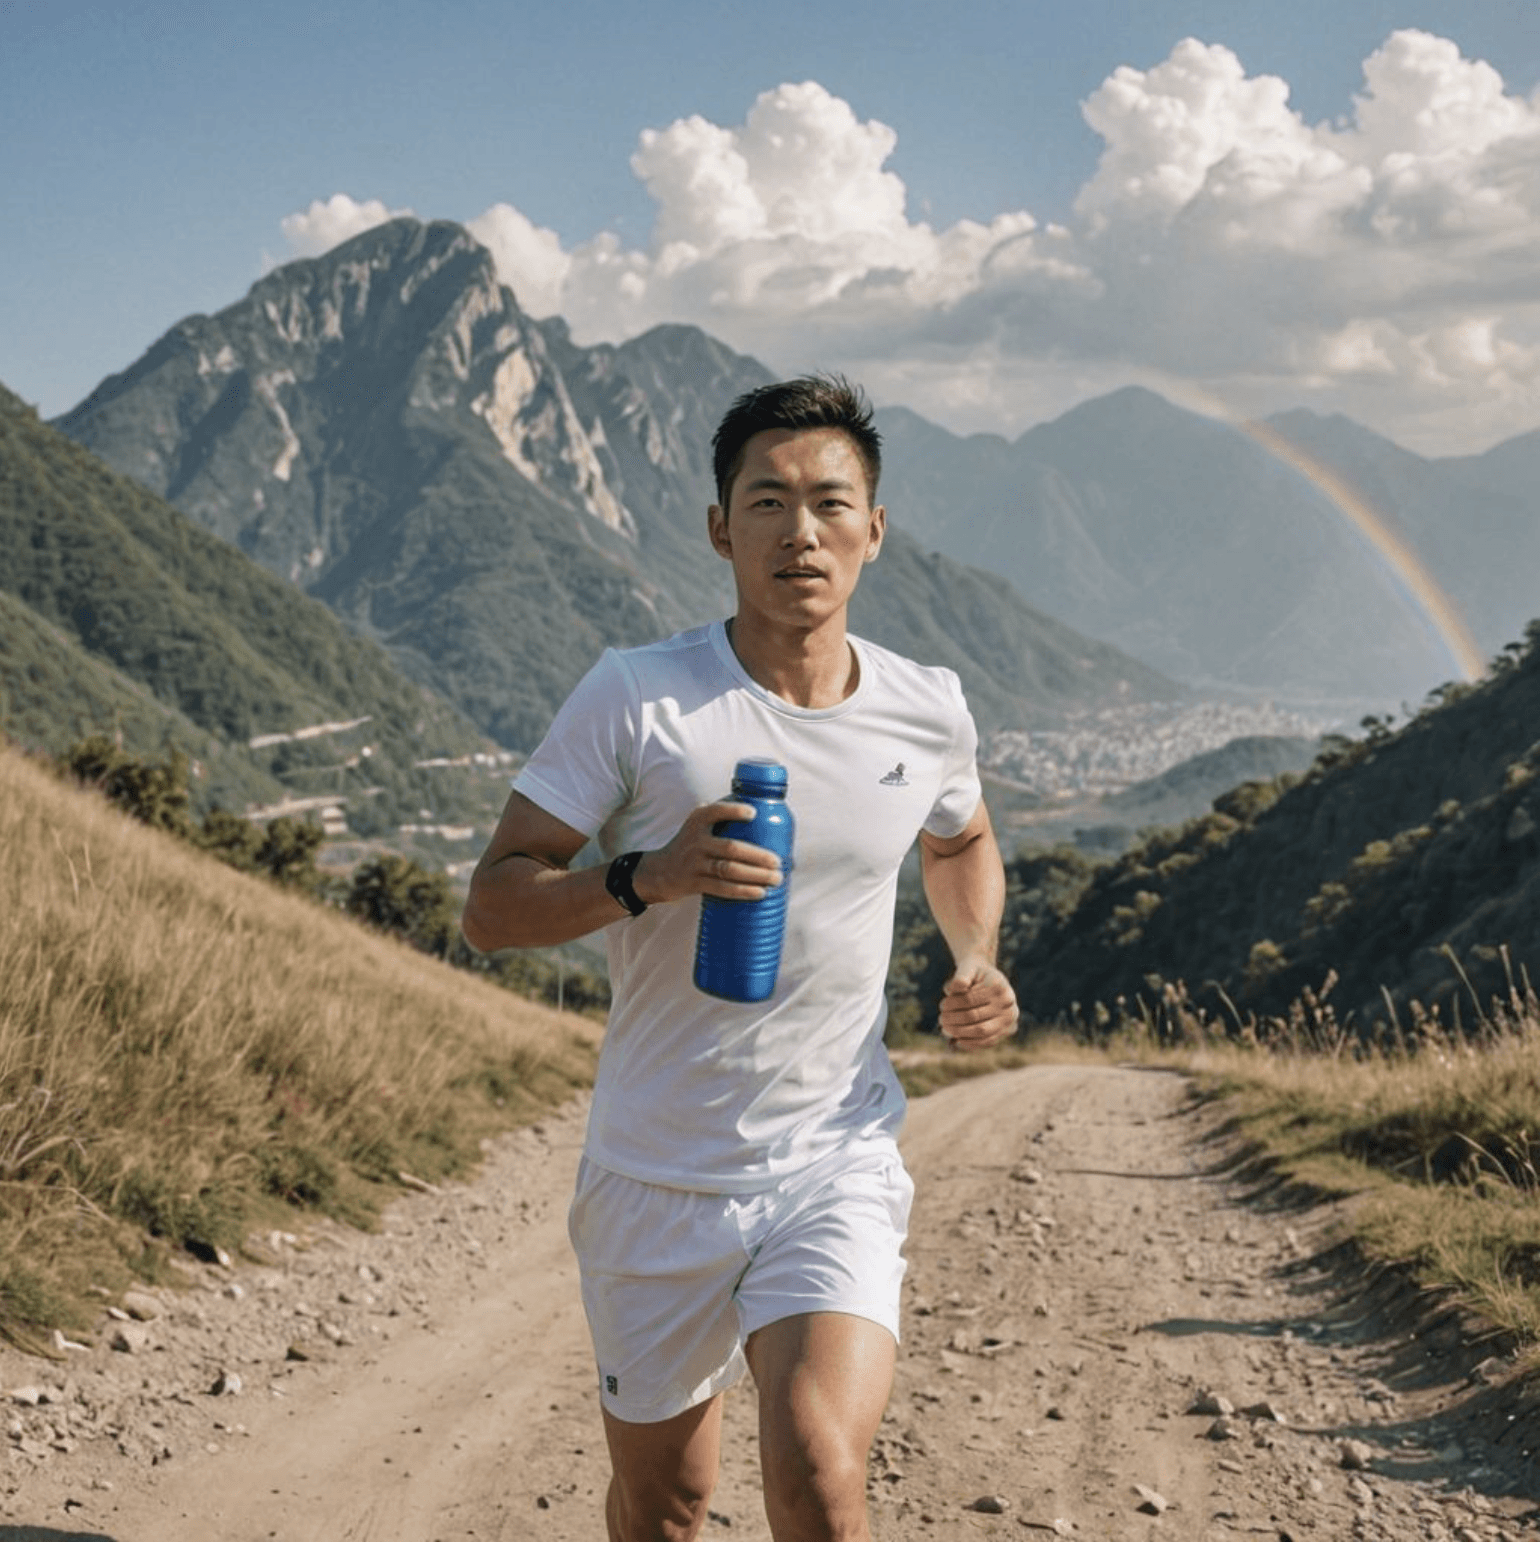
612,1385
895,777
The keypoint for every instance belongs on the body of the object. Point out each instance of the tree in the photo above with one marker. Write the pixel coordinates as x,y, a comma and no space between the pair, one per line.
155,795
287,853
400,896
233,840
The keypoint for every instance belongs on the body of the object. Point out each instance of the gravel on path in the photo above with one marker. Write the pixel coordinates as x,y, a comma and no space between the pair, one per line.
1108,1336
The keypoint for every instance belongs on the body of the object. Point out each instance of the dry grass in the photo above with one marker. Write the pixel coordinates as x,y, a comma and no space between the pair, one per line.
181,1045
1434,1133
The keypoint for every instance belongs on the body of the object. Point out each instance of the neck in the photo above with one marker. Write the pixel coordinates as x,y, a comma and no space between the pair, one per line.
806,668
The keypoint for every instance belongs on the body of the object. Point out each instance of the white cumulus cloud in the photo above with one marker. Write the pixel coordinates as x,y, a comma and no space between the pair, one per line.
529,258
1191,125
1380,264
786,234
330,222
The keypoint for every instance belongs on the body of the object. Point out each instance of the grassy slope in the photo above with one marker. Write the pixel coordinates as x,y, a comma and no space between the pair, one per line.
182,1046
1432,1143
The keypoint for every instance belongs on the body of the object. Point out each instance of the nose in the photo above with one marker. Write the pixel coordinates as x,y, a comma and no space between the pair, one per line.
802,529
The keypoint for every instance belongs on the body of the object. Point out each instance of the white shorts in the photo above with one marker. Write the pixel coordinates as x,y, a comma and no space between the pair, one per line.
675,1281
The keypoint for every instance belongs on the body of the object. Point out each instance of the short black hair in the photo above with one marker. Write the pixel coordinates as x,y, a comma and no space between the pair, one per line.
809,401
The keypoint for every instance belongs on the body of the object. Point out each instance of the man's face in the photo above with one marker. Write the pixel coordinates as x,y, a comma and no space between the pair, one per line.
799,526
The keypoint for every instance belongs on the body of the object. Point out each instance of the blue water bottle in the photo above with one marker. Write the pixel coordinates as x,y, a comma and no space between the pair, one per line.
738,949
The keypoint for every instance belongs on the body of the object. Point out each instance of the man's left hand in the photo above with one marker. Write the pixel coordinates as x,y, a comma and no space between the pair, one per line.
978,1006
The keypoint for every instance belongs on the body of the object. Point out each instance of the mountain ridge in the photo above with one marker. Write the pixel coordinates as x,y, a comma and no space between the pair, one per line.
494,504
1190,543
319,418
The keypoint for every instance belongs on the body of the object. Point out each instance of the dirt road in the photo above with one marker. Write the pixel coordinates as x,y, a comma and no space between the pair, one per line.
1085,1271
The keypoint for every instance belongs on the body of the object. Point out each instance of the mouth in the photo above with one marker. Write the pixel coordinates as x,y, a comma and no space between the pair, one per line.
798,572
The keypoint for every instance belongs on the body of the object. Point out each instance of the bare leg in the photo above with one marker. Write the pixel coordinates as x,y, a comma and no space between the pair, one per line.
663,1474
824,1380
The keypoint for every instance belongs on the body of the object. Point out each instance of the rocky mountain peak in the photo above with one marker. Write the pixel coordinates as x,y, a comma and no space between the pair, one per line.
436,289
323,363
319,315
494,502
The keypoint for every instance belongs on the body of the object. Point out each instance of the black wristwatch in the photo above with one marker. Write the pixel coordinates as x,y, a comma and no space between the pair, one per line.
618,882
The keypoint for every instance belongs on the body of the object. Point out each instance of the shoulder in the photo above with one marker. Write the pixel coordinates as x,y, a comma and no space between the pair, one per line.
688,655
931,685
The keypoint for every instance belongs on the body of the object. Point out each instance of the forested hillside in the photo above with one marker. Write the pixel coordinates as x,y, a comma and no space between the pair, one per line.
122,614
1403,865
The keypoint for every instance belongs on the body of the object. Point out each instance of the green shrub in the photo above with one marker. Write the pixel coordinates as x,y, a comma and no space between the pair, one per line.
155,795
398,895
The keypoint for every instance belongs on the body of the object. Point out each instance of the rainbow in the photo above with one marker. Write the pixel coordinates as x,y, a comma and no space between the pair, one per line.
1419,586
1442,613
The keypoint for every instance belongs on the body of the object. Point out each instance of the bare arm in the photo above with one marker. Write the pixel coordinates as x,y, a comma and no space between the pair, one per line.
523,895
965,886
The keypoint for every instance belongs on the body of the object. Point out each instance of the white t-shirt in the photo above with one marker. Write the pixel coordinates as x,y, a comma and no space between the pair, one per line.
694,1092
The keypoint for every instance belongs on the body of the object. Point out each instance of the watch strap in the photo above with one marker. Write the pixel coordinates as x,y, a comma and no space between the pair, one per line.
618,881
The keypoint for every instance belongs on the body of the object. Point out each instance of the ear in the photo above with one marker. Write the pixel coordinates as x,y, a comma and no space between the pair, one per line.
875,532
716,526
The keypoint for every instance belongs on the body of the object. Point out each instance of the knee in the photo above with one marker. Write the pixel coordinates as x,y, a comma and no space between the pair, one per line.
654,1509
820,1491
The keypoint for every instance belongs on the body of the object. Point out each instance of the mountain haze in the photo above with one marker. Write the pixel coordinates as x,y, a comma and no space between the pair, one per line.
1474,521
384,427
1187,543
1511,468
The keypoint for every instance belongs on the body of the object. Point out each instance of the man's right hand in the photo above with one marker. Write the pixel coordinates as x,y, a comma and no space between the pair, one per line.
523,894
698,862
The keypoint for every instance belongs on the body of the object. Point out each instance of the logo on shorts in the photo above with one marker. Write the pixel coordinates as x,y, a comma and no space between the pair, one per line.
895,777
612,1385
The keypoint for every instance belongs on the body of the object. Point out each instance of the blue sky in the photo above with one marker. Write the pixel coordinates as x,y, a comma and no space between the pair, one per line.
153,152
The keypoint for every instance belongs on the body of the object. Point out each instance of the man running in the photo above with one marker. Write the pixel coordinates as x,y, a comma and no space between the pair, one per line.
741,1203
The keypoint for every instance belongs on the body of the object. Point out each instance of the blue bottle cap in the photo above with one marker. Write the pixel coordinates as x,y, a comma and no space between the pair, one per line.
762,778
